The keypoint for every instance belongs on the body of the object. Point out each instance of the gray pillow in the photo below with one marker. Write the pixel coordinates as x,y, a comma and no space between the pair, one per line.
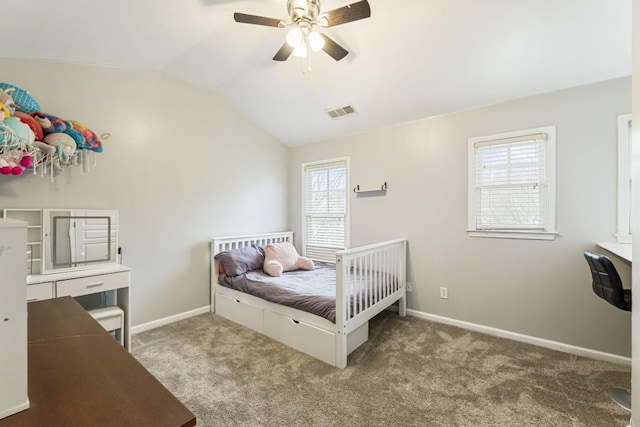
238,261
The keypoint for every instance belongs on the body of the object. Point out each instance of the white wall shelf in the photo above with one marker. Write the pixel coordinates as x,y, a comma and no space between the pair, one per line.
371,191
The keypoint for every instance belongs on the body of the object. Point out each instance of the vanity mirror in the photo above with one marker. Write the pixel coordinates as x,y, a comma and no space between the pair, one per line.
78,239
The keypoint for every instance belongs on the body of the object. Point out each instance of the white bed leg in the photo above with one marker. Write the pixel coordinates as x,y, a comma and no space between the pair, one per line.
402,306
341,350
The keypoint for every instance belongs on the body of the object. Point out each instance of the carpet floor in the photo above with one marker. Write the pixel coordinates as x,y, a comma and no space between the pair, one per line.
411,372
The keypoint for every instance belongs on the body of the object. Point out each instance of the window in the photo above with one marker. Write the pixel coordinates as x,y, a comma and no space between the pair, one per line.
325,209
624,178
512,185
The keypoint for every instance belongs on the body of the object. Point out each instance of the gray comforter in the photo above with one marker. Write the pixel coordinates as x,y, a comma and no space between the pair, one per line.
310,291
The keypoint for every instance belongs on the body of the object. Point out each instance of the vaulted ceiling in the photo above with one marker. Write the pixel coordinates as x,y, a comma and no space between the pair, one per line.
411,59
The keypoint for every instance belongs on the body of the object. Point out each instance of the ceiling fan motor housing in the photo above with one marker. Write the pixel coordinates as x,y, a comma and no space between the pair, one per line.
307,10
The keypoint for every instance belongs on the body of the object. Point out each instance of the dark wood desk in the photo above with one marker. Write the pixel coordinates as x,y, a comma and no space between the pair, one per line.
80,376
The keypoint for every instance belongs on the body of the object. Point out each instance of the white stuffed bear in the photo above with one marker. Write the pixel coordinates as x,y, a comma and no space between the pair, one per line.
282,257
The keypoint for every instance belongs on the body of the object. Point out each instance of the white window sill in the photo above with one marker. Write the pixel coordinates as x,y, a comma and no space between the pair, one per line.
513,234
624,238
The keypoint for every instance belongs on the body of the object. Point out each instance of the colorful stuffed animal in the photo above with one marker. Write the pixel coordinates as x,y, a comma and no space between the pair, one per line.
15,141
7,105
65,146
32,123
22,99
22,131
8,139
14,162
91,140
9,167
52,124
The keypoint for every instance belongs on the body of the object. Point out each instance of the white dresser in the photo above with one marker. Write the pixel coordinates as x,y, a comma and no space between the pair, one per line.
13,318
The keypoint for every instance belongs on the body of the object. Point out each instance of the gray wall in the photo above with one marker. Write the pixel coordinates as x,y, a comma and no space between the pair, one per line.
536,288
181,166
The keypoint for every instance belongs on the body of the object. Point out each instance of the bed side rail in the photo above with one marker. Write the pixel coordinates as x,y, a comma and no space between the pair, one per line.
368,279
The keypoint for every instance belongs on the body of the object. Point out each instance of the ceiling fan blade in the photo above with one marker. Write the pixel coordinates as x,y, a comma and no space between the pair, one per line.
256,20
332,48
284,53
349,13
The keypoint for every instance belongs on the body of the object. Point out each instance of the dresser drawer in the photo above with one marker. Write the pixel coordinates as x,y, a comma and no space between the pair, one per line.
39,291
91,284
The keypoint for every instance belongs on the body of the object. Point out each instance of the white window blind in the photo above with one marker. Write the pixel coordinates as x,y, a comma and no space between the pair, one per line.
510,188
325,209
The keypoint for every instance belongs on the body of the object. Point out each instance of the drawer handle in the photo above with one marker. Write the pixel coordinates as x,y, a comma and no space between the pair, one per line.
295,322
95,285
32,299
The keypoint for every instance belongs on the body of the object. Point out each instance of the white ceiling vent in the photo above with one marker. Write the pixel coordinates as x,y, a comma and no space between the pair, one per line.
339,113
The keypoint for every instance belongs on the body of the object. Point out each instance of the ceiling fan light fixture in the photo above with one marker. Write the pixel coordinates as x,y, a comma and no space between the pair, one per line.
316,41
295,37
305,19
301,51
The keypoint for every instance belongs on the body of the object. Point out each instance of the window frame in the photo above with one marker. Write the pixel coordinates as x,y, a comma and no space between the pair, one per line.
550,230
623,195
347,219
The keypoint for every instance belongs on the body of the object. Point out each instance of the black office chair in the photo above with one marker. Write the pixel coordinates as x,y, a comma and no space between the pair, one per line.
608,286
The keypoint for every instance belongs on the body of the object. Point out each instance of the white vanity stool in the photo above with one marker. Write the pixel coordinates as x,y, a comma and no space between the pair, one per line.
111,319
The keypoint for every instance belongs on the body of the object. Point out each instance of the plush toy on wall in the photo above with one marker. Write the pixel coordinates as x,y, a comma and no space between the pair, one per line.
64,144
15,162
31,138
16,139
32,123
91,140
22,99
20,130
84,137
7,105
49,123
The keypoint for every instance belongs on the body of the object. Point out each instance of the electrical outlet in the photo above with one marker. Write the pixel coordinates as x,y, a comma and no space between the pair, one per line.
444,293
409,287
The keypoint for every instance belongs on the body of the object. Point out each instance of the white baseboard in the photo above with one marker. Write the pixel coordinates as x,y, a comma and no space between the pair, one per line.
541,342
170,319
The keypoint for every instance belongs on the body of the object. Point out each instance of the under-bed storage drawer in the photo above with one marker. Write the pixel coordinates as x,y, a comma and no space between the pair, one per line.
309,339
239,311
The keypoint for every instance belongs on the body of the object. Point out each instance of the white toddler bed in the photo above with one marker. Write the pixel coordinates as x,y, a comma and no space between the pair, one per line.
376,273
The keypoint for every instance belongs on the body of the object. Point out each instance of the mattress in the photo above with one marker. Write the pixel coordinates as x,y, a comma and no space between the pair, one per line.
311,291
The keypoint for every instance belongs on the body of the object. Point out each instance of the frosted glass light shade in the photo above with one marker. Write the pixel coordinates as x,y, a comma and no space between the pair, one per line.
316,41
300,51
294,37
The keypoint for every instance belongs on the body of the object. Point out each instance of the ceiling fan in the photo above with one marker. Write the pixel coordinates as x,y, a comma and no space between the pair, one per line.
305,21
